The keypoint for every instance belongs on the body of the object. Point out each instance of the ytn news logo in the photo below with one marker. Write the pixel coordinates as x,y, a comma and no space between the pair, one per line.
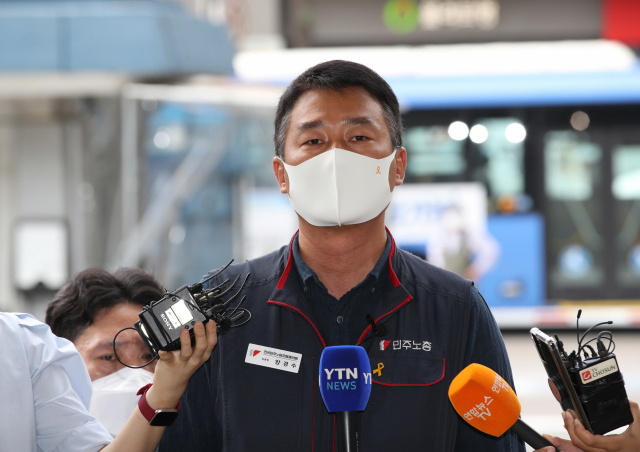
350,375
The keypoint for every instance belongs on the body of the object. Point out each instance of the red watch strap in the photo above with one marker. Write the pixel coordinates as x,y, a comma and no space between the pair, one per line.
144,407
143,390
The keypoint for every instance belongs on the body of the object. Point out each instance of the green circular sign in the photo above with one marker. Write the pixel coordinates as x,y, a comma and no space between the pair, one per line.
401,16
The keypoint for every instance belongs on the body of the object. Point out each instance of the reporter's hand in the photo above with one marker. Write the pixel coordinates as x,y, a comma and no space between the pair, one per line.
174,369
563,445
548,449
169,383
629,441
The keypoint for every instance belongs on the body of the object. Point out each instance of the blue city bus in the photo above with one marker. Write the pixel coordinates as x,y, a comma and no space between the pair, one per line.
559,155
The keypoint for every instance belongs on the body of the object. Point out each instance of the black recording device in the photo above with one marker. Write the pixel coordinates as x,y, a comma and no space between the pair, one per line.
587,382
162,321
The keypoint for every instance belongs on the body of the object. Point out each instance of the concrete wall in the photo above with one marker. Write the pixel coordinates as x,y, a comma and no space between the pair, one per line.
59,178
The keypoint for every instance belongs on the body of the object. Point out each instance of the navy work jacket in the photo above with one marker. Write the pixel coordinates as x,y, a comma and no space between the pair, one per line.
234,406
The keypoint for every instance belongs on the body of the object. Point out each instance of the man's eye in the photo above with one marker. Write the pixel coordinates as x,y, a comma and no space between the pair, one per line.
359,138
108,358
314,141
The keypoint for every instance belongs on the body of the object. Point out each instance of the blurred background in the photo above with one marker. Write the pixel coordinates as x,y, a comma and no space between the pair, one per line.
139,133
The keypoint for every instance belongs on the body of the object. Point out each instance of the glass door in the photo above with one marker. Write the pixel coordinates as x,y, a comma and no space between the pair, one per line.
576,229
592,209
625,189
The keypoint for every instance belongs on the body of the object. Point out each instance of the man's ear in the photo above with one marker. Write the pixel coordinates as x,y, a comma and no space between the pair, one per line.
401,165
281,175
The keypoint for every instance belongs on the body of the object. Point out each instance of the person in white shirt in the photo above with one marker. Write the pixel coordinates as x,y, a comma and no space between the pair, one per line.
45,391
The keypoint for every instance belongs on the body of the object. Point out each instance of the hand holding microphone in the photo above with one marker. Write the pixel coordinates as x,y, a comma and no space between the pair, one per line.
345,386
489,404
584,441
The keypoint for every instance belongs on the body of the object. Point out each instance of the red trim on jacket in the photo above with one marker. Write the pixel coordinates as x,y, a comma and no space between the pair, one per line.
334,432
287,269
417,384
368,328
280,303
392,273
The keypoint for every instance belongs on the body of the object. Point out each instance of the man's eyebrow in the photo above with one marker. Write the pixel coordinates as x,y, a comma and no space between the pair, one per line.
108,344
359,121
310,125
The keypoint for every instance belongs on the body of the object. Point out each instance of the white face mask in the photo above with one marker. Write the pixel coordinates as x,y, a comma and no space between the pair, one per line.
114,397
340,187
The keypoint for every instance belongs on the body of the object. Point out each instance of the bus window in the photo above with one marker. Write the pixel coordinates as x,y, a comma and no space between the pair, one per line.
433,154
574,217
626,192
501,145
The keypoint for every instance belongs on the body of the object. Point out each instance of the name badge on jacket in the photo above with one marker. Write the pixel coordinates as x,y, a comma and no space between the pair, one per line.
273,358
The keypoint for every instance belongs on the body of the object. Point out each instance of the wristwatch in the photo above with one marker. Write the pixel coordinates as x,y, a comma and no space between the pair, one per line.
160,418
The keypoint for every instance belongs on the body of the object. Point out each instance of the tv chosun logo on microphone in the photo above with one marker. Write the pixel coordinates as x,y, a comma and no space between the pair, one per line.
401,344
599,370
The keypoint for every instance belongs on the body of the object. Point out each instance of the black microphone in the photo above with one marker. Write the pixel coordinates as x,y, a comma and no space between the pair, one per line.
379,330
345,386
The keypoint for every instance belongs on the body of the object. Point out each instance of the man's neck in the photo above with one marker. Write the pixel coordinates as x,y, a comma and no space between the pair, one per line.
342,256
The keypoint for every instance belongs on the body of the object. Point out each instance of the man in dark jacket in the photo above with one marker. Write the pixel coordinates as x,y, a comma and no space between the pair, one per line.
339,155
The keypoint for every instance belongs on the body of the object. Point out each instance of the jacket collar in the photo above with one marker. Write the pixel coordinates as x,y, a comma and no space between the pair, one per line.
289,294
390,268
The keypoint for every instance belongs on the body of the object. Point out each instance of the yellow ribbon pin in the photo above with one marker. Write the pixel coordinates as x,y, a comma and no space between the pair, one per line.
378,371
378,172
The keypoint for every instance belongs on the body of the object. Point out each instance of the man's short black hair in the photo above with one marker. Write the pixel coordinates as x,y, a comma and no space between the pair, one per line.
77,304
337,75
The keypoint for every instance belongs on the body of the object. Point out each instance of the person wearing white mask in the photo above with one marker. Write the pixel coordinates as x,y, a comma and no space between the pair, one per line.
115,396
342,281
89,310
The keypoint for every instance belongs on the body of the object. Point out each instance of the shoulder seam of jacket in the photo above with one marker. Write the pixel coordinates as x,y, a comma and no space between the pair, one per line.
263,281
429,289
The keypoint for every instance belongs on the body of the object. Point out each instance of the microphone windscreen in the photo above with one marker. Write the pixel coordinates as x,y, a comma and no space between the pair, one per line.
484,399
345,378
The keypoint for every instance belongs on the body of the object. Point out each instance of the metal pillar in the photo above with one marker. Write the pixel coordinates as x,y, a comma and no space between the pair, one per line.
8,296
129,181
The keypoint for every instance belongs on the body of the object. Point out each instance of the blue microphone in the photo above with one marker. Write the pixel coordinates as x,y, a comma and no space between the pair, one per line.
345,386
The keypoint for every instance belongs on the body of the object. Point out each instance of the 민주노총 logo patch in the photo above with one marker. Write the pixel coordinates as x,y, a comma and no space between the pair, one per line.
400,344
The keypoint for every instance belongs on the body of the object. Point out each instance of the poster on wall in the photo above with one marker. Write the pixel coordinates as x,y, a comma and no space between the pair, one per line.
445,224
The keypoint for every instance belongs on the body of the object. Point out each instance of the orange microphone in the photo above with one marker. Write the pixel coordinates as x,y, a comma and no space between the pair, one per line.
488,403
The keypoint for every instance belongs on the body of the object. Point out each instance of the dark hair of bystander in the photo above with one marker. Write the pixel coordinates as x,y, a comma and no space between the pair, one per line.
76,305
